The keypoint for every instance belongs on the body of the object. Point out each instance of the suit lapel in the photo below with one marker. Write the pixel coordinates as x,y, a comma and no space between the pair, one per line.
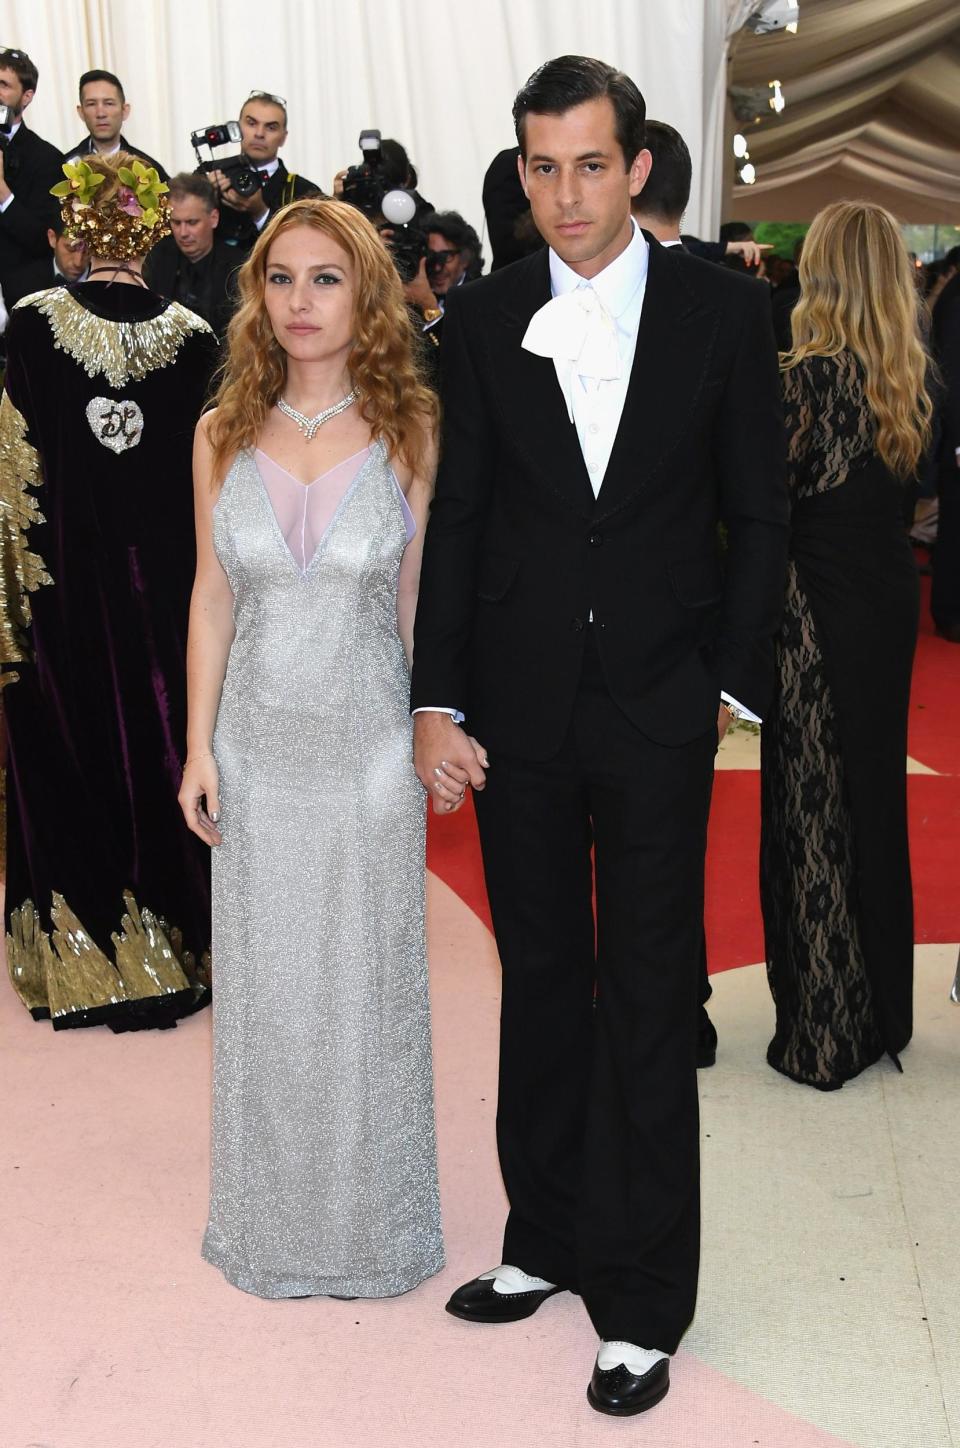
530,395
675,342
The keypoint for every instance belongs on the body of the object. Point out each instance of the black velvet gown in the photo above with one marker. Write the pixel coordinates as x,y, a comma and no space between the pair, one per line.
834,859
107,893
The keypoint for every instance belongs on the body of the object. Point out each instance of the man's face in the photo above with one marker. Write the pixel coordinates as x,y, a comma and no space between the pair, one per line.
12,93
70,256
263,129
103,111
445,264
578,189
193,226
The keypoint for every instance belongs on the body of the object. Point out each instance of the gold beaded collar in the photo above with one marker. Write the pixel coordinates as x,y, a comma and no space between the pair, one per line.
119,350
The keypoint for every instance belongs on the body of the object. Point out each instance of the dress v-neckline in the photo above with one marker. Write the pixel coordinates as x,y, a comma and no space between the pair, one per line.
320,476
304,572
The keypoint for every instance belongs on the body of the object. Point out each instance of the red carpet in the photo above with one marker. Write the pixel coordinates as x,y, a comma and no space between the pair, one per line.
734,927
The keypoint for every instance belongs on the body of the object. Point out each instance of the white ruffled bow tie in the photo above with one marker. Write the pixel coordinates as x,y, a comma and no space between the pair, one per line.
576,329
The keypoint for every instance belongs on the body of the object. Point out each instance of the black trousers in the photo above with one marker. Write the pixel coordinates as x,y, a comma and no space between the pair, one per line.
598,1120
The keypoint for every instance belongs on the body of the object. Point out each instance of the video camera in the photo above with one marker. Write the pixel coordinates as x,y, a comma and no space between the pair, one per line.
388,206
241,173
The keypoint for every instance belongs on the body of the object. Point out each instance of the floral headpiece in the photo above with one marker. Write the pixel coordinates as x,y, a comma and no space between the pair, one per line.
127,225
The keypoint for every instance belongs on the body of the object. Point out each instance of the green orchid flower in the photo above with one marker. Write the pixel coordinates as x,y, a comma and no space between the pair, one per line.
81,182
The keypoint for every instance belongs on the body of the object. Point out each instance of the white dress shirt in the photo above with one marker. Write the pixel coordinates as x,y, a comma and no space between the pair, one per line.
595,406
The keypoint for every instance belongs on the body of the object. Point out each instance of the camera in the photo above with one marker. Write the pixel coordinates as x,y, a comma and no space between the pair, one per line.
388,206
241,174
6,121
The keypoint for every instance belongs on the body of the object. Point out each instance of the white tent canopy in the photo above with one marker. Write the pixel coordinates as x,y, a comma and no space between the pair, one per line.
873,110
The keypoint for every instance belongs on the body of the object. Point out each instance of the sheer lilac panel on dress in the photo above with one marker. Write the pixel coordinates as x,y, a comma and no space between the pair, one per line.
304,511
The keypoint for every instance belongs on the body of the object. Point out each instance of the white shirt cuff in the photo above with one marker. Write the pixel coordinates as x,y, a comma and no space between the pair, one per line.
745,713
455,714
5,204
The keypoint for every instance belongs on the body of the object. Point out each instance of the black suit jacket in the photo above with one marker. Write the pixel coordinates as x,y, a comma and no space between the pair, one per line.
518,551
163,263
36,276
284,186
31,166
85,148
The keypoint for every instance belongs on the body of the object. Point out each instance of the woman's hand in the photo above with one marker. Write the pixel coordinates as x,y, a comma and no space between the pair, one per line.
200,797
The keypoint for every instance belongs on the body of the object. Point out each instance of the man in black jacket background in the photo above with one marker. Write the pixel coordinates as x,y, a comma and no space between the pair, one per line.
192,265
29,166
103,109
263,127
65,264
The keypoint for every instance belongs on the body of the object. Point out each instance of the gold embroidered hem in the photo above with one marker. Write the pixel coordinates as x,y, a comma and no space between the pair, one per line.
66,976
21,572
118,350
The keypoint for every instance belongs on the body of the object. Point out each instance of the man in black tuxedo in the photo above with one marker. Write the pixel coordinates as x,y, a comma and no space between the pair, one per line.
65,264
574,608
29,167
263,128
192,265
103,109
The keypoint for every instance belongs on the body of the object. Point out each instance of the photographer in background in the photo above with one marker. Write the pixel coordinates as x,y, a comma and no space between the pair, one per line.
192,265
29,167
263,127
454,255
66,263
103,109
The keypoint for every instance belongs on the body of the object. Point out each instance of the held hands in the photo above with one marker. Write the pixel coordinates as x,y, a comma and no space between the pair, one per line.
199,797
447,760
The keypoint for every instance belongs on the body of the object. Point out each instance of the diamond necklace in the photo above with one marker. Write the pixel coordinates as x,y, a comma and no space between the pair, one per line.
310,426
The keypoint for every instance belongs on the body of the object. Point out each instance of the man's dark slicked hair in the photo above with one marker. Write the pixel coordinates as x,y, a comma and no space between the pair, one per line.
667,188
569,81
89,76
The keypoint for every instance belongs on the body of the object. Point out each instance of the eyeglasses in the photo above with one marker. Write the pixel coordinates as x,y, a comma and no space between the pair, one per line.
17,54
259,95
440,258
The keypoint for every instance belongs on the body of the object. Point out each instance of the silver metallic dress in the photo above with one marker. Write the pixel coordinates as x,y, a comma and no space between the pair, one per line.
324,1159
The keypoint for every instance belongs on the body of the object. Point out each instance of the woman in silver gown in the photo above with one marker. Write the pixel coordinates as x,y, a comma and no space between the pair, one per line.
313,477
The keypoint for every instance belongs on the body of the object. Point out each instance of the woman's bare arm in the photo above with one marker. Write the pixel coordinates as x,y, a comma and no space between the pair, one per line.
208,647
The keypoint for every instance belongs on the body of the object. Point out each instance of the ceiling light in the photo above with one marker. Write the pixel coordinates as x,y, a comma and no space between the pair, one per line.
748,174
777,100
740,146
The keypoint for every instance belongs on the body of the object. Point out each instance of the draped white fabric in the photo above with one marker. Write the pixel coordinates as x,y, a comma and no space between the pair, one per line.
440,78
873,110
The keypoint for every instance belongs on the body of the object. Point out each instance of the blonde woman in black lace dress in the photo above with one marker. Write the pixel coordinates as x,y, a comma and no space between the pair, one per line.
835,866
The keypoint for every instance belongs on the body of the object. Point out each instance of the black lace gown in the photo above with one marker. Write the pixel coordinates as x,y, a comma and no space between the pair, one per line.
834,860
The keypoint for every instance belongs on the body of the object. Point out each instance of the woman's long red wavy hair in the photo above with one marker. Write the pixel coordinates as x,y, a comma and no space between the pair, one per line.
400,409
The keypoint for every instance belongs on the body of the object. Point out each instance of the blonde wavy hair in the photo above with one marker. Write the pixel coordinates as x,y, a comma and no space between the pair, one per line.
400,409
857,293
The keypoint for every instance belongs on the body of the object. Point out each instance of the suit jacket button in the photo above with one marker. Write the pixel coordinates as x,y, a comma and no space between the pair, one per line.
576,624
596,539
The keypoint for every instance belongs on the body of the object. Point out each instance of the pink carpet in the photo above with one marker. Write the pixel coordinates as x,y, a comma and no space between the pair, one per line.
119,1336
